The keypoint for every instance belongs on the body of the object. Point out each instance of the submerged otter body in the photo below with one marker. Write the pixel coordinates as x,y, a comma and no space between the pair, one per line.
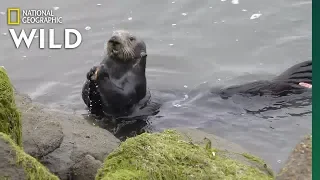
282,85
118,84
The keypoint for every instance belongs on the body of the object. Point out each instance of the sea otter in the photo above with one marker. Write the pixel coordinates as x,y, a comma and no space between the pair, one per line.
284,84
118,84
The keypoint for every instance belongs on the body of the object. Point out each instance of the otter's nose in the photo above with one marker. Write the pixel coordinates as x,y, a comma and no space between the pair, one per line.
114,39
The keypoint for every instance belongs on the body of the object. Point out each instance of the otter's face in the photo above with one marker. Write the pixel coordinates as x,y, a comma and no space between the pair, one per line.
125,46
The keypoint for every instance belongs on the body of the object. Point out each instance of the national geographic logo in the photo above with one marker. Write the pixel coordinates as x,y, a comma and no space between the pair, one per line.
16,16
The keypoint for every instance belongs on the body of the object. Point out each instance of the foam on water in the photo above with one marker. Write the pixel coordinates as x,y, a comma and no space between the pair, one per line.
235,1
43,89
255,16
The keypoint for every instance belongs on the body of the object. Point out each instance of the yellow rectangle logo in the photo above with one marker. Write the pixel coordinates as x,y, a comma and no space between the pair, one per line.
13,12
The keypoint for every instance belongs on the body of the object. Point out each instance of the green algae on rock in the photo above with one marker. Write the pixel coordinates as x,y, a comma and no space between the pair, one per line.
15,164
168,156
10,122
259,161
253,158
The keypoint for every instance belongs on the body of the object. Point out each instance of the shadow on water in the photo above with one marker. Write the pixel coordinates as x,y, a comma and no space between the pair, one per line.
286,102
123,128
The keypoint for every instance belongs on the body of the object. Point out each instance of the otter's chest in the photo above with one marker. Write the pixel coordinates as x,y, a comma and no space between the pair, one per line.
119,72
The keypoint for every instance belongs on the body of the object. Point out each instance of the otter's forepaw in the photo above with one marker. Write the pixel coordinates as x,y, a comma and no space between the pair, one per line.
143,54
91,73
101,72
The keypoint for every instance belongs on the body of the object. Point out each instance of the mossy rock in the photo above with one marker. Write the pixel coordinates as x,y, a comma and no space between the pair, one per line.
167,156
10,118
15,164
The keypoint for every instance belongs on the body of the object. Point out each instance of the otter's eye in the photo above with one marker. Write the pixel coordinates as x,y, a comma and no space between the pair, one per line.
132,38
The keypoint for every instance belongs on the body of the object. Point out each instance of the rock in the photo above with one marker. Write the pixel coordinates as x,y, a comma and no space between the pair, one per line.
10,122
15,164
61,140
299,163
86,168
172,155
39,146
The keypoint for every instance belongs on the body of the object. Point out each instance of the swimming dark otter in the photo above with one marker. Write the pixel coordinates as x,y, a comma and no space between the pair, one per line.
119,82
284,84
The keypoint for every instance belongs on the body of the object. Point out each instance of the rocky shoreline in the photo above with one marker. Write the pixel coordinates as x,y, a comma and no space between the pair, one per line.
61,141
299,163
67,147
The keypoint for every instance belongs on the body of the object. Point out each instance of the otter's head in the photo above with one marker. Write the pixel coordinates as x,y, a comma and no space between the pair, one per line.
125,46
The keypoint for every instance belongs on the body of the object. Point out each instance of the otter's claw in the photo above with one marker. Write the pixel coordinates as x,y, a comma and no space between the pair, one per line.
101,72
91,73
143,54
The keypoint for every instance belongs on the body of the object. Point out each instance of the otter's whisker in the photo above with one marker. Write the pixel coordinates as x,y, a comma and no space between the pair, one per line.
130,53
124,53
127,53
